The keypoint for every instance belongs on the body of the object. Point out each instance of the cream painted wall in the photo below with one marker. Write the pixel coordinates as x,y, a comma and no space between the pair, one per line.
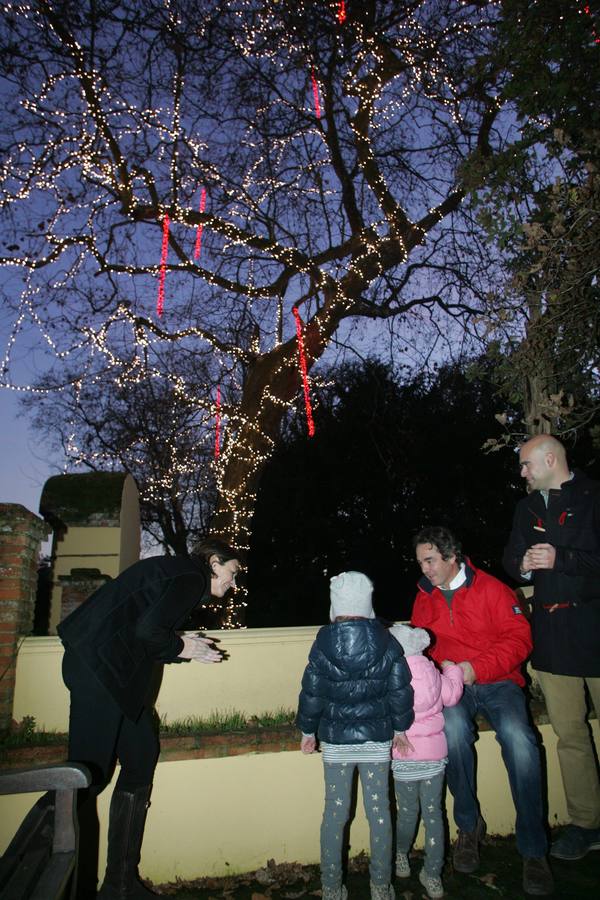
219,816
110,549
74,551
262,673
81,546
223,816
129,524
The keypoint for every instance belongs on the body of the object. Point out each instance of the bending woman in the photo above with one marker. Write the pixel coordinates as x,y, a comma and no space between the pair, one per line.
113,643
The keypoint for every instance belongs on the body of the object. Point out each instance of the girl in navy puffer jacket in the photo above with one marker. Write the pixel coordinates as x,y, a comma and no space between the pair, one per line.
357,700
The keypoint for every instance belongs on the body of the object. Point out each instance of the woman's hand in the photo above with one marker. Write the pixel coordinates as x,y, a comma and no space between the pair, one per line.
200,649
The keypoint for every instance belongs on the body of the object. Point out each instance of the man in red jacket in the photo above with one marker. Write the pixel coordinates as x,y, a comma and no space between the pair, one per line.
476,622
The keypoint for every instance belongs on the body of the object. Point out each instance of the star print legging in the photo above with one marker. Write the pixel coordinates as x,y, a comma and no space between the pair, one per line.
427,793
374,778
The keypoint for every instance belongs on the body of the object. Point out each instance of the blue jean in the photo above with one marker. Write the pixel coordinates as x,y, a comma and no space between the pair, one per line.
503,705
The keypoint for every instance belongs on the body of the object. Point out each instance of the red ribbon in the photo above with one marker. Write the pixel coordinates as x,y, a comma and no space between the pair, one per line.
304,372
588,12
200,226
315,88
160,301
218,423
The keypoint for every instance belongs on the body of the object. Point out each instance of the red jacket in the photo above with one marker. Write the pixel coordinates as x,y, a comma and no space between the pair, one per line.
484,625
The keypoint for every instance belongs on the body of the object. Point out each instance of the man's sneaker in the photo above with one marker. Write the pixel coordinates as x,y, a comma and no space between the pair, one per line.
432,884
402,865
537,877
574,842
465,857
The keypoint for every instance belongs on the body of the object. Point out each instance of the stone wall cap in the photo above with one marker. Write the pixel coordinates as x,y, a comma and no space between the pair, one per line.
83,499
15,511
84,575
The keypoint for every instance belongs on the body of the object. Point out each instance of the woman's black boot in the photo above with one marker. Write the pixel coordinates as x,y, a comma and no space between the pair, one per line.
125,833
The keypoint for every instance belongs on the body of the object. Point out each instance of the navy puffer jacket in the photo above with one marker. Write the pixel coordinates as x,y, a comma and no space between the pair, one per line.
356,686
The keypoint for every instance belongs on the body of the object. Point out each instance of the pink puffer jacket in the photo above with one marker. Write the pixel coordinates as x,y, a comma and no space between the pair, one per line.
433,690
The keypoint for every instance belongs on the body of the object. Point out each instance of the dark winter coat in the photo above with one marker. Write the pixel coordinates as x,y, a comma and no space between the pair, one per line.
129,625
356,686
566,641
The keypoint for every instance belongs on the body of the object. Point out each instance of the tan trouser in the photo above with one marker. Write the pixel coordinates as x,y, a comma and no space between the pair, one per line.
567,709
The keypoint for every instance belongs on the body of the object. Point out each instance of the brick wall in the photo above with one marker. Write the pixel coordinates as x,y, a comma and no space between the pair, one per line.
21,534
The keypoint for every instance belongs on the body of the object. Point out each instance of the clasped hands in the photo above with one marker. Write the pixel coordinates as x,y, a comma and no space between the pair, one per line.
539,556
199,648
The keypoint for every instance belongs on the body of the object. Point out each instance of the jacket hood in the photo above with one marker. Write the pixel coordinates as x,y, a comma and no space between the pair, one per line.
413,640
353,645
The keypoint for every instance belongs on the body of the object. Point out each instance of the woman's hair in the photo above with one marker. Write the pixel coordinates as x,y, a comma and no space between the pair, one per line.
442,539
213,546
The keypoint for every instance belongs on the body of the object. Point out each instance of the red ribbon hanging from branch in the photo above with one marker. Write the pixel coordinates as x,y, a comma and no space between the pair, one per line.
315,88
218,423
200,226
588,12
341,13
160,301
304,372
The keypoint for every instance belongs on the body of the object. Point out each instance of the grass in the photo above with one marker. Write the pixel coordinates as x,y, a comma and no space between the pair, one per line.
225,721
499,876
25,734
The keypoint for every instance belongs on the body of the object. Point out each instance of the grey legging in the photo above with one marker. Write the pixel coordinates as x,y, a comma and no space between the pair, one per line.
428,793
374,778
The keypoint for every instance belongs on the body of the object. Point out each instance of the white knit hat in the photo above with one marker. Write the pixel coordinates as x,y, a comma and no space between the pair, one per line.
413,640
351,594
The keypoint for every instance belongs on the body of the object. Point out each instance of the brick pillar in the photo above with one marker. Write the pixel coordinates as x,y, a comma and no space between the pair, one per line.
77,587
21,534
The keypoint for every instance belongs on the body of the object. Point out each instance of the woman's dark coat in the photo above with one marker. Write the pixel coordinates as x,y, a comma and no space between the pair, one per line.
356,686
129,625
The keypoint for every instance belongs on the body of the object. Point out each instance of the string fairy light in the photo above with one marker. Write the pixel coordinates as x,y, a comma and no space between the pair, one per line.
285,162
218,423
304,372
160,300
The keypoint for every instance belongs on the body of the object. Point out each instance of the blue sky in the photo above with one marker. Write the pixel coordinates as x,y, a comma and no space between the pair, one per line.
25,466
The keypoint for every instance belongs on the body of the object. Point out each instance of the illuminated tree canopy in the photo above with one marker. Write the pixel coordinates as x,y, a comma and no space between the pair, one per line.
297,160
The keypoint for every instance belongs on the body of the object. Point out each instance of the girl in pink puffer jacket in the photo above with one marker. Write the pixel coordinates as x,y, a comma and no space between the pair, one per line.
419,770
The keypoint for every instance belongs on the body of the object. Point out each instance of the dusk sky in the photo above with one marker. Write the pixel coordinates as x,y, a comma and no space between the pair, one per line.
25,466
25,461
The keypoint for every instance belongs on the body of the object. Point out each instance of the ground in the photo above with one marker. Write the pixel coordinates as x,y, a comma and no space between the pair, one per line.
499,877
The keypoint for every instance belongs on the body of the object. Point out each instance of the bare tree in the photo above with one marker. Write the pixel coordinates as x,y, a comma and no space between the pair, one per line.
145,427
233,161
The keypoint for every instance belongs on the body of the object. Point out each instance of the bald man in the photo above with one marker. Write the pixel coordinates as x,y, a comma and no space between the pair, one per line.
555,546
